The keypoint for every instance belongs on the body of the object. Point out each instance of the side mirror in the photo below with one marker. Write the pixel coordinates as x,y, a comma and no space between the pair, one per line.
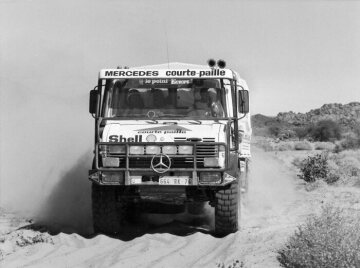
243,104
93,102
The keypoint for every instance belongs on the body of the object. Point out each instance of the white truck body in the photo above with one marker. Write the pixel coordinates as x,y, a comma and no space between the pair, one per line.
171,134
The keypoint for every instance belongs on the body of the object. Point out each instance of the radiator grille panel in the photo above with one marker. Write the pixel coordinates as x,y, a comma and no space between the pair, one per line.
144,161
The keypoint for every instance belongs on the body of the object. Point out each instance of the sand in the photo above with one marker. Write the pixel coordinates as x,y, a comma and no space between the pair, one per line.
276,204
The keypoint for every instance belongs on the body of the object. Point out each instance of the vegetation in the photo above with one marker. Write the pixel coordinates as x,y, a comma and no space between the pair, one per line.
350,141
329,240
315,167
303,145
325,130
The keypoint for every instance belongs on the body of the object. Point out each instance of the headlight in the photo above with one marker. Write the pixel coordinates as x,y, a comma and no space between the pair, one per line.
152,149
210,177
185,149
169,149
211,162
116,149
136,149
110,162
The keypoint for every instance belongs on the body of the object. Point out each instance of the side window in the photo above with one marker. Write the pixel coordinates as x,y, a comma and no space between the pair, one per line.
228,98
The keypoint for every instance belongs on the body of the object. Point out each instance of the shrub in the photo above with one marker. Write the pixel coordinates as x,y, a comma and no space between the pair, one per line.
325,130
302,132
329,240
274,130
332,178
303,145
286,146
329,146
314,167
345,166
286,134
351,141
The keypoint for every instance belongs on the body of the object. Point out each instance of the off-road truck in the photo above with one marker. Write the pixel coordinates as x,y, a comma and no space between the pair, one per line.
168,138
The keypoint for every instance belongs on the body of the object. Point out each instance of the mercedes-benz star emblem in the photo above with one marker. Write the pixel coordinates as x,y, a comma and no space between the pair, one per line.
160,163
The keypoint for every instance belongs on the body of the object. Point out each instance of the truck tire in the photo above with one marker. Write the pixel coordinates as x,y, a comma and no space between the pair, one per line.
196,208
226,210
109,211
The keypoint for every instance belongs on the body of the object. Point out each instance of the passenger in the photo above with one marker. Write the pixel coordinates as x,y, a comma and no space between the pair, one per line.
118,100
135,103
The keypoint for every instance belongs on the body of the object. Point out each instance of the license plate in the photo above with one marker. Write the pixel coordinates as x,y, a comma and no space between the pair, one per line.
179,180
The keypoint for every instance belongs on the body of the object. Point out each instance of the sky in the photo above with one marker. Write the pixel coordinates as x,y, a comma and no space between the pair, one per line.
295,55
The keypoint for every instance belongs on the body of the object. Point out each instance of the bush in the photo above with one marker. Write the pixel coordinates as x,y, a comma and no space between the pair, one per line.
286,134
274,130
329,240
328,146
303,145
345,166
351,141
302,132
332,178
325,130
314,167
286,146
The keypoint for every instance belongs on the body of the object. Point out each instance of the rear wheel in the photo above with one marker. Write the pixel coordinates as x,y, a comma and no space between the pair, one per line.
109,211
227,210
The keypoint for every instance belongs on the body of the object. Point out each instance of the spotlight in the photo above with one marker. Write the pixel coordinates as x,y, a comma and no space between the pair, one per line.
221,64
211,62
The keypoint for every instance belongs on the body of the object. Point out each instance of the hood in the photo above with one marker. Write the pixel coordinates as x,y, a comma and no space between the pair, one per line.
164,130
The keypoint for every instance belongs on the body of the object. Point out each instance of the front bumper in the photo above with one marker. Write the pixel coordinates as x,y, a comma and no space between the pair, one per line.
125,178
186,170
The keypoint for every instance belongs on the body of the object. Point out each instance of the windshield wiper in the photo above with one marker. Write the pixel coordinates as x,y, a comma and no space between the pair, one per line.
195,122
172,115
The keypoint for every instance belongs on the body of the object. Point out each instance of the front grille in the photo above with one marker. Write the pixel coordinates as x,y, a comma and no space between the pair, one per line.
176,162
203,149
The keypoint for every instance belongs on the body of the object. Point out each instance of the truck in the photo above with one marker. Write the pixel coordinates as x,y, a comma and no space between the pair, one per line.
169,138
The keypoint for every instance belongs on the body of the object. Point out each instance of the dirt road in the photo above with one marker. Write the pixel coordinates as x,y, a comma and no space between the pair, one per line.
274,206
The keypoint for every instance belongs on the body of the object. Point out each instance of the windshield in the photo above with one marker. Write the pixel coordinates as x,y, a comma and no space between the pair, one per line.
161,98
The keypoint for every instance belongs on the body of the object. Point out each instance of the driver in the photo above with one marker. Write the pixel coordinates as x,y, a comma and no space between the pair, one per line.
215,105
134,99
135,103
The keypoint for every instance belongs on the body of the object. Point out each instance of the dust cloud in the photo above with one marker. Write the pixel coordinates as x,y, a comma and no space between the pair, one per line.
271,189
46,143
68,207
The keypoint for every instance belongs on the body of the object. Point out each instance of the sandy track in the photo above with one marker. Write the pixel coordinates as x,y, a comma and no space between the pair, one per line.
270,212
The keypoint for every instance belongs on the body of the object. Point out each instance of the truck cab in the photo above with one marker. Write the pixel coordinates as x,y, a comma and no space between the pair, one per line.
169,137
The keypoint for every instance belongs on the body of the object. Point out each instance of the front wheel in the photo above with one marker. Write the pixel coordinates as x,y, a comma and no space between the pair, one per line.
227,210
109,209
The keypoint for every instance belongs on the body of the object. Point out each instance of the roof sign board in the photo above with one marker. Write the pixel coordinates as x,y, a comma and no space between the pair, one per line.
167,73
